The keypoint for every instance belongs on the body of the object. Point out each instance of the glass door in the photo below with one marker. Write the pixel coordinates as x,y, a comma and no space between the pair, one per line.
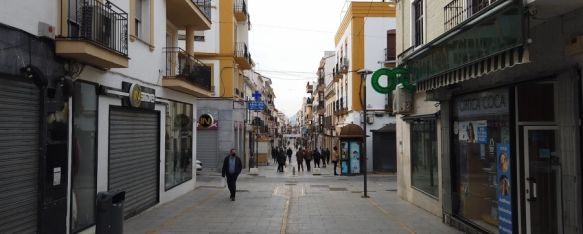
542,184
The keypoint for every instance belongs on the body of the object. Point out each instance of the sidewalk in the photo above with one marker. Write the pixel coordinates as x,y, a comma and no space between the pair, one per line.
274,202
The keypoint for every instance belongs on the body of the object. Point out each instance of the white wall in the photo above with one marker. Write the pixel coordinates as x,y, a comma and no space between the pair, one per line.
26,14
211,36
375,42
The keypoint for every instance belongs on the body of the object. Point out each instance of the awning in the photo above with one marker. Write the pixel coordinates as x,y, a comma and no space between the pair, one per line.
387,128
421,117
501,61
351,131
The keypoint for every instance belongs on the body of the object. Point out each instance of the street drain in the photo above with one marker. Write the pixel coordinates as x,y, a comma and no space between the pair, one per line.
338,189
290,184
391,190
363,191
242,191
319,186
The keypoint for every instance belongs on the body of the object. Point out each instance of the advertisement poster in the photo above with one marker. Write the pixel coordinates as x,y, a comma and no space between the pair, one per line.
504,188
482,129
344,167
354,157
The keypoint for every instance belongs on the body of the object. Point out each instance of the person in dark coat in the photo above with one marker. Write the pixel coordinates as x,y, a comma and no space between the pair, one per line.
323,157
280,160
317,157
232,167
308,158
300,159
289,153
328,156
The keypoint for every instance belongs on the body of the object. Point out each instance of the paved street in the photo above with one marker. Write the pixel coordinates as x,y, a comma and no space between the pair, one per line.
273,202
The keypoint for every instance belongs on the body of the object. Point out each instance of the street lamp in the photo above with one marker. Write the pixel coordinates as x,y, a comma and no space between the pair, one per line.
363,73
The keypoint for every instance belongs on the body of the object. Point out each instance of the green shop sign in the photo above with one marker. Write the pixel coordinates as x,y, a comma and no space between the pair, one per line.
492,35
394,76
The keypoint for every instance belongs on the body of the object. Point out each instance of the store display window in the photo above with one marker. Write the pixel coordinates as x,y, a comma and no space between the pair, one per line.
179,131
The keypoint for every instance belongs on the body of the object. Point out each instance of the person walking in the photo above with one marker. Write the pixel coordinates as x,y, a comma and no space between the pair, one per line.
281,161
323,157
328,156
300,159
335,158
289,154
317,157
308,158
231,169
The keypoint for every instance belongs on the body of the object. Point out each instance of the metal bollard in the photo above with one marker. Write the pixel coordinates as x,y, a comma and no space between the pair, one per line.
294,171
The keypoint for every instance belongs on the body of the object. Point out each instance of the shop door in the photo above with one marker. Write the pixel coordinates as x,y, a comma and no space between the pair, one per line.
19,155
206,149
384,151
134,157
542,184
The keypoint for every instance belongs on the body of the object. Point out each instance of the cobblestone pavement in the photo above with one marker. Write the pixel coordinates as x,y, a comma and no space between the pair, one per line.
289,202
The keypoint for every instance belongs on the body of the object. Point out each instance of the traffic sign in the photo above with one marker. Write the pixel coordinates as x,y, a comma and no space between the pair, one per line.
256,106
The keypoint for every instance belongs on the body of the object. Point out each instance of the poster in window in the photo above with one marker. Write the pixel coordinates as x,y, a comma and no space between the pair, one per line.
482,131
354,157
503,178
468,131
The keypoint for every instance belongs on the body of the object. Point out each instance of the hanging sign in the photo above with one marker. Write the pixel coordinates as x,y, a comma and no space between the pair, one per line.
394,76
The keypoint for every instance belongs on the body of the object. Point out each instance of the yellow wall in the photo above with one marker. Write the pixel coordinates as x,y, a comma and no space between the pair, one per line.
226,47
357,60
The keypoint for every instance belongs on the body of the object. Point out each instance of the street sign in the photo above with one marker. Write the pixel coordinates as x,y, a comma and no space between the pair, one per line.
256,106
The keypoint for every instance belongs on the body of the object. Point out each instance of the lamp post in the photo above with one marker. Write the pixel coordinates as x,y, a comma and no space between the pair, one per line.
363,73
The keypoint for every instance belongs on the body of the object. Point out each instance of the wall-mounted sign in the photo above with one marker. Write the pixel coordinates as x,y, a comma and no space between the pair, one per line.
138,96
394,76
493,102
206,121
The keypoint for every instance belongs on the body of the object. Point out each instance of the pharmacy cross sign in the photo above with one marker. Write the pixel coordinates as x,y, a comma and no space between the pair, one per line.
257,96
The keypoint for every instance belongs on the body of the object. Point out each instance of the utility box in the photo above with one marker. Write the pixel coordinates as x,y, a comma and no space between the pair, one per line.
110,212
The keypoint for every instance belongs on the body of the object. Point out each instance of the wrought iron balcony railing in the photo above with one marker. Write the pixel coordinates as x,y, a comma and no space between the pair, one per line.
241,6
181,65
242,51
103,24
458,11
204,6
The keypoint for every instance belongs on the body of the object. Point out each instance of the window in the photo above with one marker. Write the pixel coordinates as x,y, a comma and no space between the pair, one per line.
418,22
424,173
142,20
179,129
198,35
84,151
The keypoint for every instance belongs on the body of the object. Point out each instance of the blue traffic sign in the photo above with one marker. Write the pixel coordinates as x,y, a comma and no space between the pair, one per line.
257,106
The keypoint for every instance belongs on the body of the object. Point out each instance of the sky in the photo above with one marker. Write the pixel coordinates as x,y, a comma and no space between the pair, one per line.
287,41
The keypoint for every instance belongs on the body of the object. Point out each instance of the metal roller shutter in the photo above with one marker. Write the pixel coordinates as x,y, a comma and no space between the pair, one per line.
134,157
19,154
206,145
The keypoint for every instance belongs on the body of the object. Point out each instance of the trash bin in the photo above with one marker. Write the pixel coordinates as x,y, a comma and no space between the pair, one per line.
110,212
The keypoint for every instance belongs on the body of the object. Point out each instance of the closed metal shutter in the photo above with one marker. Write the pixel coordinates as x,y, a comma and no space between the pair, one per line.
19,153
384,151
206,149
134,157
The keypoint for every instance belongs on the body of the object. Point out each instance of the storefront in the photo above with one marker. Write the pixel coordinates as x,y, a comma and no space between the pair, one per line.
350,149
512,149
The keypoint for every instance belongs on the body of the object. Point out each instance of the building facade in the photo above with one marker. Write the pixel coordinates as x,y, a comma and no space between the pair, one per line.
491,133
111,98
359,41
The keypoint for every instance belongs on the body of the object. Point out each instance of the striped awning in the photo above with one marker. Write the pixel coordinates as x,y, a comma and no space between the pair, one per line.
490,64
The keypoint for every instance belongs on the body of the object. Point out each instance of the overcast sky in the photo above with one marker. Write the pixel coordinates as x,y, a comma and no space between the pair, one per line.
287,41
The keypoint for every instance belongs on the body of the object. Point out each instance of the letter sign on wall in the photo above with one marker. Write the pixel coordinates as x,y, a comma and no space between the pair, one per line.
206,121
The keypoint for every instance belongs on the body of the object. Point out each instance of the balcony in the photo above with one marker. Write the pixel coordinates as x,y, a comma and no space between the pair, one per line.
243,57
344,65
193,13
241,13
309,88
186,74
336,73
458,11
97,34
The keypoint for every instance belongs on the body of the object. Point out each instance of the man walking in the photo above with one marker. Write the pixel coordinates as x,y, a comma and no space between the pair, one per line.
308,159
280,161
300,159
232,168
335,158
317,157
289,153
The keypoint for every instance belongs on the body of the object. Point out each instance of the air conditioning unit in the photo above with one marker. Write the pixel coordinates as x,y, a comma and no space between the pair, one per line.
402,100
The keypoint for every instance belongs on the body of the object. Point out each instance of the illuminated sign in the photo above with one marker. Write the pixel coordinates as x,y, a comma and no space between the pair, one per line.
394,76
